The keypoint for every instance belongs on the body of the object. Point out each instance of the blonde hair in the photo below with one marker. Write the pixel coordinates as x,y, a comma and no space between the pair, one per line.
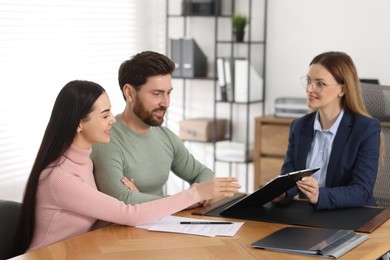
341,66
343,69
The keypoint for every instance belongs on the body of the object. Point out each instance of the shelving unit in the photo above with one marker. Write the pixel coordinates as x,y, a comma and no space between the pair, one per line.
183,21
252,49
242,50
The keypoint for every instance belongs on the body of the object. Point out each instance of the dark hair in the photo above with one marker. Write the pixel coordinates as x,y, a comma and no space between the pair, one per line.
74,102
142,66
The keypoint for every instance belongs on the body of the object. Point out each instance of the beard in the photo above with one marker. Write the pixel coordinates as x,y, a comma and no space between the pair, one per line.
148,117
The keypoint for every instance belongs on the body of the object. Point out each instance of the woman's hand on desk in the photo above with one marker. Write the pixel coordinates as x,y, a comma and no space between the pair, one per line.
309,187
217,187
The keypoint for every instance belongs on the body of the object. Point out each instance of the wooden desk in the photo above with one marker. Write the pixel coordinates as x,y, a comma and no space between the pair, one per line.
120,242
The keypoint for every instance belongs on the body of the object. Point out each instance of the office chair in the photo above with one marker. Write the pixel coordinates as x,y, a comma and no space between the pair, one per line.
9,216
377,101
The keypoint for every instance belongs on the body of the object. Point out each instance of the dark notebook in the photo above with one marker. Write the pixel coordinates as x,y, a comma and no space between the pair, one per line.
268,192
362,219
331,243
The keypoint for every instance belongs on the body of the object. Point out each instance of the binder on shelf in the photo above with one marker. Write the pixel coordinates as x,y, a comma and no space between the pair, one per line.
189,59
228,78
224,73
243,85
176,57
330,243
200,7
222,78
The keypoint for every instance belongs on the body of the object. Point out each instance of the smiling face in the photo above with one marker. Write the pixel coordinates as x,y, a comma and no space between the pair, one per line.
96,128
152,100
329,98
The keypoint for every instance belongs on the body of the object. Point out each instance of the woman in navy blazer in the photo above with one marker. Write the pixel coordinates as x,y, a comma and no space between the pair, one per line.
349,166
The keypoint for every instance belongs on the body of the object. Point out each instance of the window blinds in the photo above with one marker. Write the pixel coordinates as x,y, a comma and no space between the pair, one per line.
46,43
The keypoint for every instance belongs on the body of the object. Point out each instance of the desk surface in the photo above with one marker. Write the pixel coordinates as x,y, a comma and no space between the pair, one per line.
121,242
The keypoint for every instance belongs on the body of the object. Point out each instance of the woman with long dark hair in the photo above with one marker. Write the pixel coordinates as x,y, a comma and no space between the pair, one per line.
61,199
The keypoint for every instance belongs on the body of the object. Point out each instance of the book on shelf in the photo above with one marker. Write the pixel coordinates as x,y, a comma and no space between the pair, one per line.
224,72
221,78
228,78
329,243
238,80
190,61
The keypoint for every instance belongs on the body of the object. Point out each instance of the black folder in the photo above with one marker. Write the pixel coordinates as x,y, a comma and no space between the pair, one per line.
189,59
252,207
361,219
268,192
330,243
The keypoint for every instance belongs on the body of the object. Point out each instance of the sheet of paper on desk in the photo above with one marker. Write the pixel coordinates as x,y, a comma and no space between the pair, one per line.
172,224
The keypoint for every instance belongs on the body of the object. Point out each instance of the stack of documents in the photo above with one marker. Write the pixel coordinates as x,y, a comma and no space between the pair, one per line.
290,107
196,227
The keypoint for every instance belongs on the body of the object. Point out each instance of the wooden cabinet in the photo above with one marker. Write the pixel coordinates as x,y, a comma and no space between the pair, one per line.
271,140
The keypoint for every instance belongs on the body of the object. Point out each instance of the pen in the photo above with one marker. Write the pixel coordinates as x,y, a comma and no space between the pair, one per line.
203,222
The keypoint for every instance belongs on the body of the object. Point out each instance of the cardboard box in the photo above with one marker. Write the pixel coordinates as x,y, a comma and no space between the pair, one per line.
202,129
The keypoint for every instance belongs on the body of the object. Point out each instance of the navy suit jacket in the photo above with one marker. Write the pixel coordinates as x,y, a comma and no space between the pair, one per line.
353,162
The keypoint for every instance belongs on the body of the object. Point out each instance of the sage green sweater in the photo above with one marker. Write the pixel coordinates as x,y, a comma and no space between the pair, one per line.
148,159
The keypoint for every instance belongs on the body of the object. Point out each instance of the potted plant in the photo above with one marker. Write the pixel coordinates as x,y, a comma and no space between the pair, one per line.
239,22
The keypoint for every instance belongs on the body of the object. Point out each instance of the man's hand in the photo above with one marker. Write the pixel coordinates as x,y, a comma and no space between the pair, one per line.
129,184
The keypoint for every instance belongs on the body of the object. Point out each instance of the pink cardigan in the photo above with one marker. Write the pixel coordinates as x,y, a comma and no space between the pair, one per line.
68,202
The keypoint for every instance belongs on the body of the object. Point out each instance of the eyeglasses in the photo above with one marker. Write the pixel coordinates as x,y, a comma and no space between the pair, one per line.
317,85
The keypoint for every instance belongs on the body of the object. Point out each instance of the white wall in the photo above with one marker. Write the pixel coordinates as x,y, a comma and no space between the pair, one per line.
299,30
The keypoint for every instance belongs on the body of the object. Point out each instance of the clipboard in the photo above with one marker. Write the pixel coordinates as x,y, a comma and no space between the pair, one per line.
217,203
268,192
